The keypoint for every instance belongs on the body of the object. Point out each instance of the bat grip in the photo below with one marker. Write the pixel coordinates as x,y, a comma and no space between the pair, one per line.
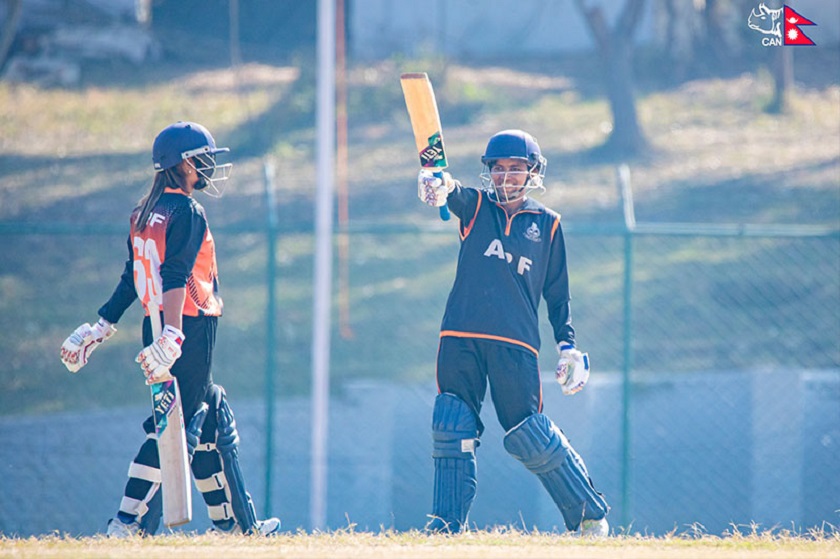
444,209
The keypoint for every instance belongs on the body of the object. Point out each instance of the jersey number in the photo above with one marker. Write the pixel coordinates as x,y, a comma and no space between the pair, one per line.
147,280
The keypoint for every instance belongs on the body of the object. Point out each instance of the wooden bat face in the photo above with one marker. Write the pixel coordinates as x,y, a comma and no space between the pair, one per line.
171,440
172,449
425,120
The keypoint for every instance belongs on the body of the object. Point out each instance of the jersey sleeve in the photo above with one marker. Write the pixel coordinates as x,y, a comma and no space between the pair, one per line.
556,289
184,236
124,294
463,202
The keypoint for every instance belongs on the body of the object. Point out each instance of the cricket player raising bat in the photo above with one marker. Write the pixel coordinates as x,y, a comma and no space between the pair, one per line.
171,268
512,254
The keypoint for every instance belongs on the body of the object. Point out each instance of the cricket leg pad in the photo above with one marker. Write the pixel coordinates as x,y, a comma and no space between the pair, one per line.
141,504
206,463
543,448
194,429
455,436
210,480
227,443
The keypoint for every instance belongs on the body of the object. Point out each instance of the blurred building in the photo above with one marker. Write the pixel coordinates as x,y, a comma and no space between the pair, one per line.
516,28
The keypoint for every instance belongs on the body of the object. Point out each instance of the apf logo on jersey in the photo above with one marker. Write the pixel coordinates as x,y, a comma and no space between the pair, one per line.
780,27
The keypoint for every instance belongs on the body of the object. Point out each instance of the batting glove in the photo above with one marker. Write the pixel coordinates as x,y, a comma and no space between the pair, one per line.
433,190
76,349
572,369
158,358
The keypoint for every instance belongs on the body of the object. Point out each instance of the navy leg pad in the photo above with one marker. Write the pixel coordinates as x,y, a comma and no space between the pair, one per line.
227,443
194,428
455,434
540,445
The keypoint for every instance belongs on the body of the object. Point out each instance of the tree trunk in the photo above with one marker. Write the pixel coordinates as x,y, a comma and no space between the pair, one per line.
616,49
626,137
782,70
7,36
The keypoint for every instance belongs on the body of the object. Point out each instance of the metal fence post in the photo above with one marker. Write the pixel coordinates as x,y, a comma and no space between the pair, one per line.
626,191
271,270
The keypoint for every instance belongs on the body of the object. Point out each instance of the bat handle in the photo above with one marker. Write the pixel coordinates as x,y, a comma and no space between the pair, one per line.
444,209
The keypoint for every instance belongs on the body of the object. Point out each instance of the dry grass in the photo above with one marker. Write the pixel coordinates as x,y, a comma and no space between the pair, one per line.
81,157
502,543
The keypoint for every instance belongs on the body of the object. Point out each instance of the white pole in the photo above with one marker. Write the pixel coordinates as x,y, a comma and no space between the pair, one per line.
322,292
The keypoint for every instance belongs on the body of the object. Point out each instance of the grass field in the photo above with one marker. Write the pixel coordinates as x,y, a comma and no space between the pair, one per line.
508,544
79,158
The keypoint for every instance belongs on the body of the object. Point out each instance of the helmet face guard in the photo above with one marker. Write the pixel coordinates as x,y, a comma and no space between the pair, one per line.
190,141
512,144
210,174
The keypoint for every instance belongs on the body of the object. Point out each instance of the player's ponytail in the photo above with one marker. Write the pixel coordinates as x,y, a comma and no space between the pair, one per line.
147,203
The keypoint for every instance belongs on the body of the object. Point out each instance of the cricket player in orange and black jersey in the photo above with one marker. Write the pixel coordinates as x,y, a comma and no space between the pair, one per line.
172,269
512,255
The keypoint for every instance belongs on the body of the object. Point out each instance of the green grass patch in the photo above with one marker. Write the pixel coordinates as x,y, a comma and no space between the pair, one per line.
80,157
501,543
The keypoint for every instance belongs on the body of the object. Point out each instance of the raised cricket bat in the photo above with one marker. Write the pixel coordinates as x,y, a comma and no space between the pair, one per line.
425,122
171,442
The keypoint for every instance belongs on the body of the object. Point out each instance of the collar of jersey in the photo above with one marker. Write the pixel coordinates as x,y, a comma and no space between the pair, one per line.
529,205
169,190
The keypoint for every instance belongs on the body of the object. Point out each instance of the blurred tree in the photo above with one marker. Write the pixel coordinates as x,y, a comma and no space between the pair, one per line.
267,30
700,37
616,49
7,34
781,66
710,37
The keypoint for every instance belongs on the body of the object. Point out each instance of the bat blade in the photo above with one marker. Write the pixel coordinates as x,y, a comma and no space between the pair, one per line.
425,120
171,442
425,123
172,449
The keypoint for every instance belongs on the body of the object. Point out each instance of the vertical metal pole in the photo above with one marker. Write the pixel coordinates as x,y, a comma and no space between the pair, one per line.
271,296
322,292
626,192
235,53
626,396
341,173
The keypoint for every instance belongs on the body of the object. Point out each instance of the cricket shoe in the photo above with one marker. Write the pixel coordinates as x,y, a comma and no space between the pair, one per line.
267,528
594,528
118,529
438,525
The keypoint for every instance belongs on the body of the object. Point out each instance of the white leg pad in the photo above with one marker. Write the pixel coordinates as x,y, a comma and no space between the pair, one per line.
213,483
220,512
147,473
138,508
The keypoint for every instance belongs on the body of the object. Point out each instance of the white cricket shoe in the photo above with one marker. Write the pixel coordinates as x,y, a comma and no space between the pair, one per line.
268,527
595,528
118,529
216,529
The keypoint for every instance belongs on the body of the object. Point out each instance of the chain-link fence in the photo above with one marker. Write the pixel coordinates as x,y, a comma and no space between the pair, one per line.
714,400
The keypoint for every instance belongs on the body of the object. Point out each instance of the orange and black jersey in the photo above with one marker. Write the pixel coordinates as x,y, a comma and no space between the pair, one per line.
505,266
174,250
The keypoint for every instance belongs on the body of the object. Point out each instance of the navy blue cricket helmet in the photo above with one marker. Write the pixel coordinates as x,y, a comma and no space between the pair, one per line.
514,144
191,141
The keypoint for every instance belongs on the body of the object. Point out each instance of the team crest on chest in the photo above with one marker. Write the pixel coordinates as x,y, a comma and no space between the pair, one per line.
533,232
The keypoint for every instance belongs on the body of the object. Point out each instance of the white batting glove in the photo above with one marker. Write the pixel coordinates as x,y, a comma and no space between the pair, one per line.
76,349
433,190
158,358
572,369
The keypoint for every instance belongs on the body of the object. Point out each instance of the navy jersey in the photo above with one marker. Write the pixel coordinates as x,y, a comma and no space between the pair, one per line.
174,250
505,265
